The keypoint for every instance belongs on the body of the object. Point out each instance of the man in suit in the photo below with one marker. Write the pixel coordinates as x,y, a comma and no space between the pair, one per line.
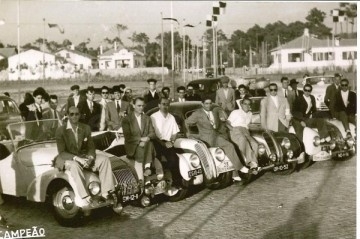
191,95
90,110
207,122
151,94
275,111
345,106
75,97
225,96
304,108
165,93
77,152
294,93
105,91
330,93
284,90
181,92
51,113
138,133
116,110
33,130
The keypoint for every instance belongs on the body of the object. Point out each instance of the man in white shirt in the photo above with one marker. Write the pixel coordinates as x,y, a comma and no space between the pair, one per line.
284,90
166,130
238,123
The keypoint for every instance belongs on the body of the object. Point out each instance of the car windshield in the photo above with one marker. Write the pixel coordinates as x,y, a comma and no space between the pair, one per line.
24,133
8,107
255,105
321,80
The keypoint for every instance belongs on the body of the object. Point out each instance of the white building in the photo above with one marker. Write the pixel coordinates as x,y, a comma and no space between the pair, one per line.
121,58
308,54
81,60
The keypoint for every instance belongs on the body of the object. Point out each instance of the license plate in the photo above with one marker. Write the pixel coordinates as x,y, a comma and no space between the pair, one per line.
131,197
225,167
343,154
281,167
195,172
321,156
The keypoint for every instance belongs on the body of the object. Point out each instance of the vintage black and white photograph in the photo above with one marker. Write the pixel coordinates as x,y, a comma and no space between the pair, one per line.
178,119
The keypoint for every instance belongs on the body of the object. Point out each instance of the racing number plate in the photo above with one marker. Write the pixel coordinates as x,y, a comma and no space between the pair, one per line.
321,156
281,167
131,197
195,172
225,167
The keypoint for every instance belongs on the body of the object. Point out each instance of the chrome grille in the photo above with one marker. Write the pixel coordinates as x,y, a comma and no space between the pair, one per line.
269,142
204,154
126,182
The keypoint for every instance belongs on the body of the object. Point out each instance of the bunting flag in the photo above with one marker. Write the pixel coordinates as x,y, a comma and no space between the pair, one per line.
208,21
338,15
172,19
216,8
222,7
57,26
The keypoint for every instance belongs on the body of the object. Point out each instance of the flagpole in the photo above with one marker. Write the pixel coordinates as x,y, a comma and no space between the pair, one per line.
18,38
183,60
172,51
162,50
44,54
214,52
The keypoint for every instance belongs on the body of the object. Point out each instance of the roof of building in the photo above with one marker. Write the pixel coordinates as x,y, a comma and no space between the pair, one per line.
111,51
78,53
314,42
7,51
25,51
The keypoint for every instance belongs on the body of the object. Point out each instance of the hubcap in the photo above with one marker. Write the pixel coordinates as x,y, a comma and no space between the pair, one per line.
67,202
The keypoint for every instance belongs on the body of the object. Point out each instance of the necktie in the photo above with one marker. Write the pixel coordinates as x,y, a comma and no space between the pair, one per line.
210,119
55,114
285,93
118,105
91,107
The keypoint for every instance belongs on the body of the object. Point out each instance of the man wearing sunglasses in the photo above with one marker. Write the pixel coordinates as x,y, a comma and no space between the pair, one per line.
103,103
330,93
275,111
345,105
77,152
304,108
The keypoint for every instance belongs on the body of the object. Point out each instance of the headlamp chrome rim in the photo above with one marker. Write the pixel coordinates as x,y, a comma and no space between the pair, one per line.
194,160
94,188
219,154
261,149
286,143
316,141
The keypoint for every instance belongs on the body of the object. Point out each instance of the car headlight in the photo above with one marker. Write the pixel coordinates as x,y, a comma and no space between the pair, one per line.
219,154
332,144
194,160
94,188
272,157
286,143
350,142
290,154
261,149
316,140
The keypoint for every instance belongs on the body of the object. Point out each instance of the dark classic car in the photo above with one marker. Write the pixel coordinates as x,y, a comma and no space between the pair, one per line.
9,113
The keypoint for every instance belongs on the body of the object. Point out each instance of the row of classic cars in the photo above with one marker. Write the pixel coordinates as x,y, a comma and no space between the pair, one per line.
26,163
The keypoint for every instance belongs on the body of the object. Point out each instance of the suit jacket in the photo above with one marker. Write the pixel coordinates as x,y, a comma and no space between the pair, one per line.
90,118
70,102
207,132
329,98
340,106
292,96
270,114
67,146
133,134
300,107
227,103
148,97
112,117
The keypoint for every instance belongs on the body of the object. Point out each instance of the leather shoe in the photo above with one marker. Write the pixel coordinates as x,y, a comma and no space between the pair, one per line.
236,179
147,172
160,176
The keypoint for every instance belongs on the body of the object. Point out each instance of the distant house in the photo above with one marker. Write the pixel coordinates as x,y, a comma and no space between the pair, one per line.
306,53
81,60
121,58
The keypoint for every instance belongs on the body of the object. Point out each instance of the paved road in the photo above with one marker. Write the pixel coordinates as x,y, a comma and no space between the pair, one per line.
318,202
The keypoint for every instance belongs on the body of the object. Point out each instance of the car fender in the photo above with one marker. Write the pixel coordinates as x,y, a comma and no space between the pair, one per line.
338,124
308,136
219,164
185,166
38,188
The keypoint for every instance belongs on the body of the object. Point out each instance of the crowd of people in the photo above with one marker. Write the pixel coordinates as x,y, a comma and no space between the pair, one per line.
147,138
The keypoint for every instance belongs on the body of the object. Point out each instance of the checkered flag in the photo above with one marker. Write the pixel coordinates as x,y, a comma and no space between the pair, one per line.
211,21
338,15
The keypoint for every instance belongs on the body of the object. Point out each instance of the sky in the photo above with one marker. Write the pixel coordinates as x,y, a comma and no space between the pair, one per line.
96,19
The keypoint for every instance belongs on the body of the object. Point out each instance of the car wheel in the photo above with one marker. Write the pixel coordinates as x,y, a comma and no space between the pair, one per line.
222,181
307,162
290,170
66,212
179,195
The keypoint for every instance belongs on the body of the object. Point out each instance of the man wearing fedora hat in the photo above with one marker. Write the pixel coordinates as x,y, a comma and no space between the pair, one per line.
225,96
74,97
294,93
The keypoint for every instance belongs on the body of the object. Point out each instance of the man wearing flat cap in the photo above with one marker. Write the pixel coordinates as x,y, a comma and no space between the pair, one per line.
225,96
74,97
330,94
151,94
294,93
116,110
